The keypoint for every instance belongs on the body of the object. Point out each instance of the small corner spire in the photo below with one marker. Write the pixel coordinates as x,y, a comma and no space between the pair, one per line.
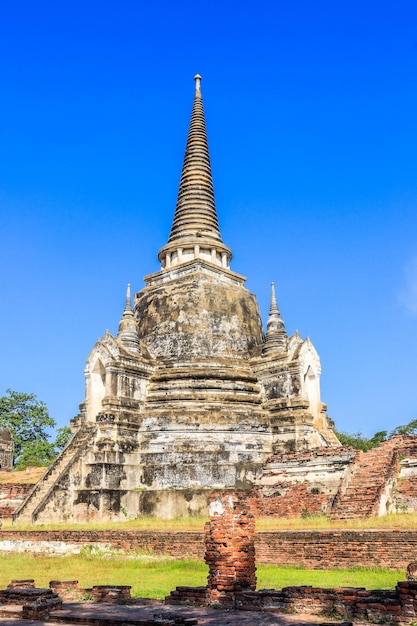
127,326
276,335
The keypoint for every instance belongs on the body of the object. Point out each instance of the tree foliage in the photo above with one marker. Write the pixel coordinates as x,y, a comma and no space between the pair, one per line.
30,423
360,442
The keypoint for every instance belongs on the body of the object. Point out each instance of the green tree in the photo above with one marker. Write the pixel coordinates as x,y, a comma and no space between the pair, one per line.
360,442
357,441
406,429
29,421
42,453
64,434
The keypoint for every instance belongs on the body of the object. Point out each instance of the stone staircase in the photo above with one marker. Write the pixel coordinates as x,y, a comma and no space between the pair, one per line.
37,498
360,490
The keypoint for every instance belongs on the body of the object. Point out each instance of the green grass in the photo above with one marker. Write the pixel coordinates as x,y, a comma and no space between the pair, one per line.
155,577
404,521
400,521
142,523
271,577
149,577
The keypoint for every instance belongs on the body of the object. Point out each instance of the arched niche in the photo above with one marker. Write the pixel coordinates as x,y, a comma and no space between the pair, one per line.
312,390
96,389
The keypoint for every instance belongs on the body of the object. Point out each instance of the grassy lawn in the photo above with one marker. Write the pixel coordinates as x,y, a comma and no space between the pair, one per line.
405,521
155,578
271,577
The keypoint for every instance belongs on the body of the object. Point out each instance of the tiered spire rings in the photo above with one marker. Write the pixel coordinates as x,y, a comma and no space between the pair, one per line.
195,230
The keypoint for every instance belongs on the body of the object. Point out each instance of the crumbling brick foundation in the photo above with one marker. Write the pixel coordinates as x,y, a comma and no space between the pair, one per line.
230,548
230,555
112,594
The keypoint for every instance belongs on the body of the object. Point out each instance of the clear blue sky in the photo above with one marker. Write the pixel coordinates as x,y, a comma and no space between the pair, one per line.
311,111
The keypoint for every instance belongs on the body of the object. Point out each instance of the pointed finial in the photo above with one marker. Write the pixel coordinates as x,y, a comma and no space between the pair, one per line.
128,305
274,306
197,79
127,326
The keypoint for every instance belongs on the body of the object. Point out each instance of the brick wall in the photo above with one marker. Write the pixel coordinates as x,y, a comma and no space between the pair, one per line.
406,495
341,482
180,544
315,549
291,501
376,606
11,496
229,547
333,549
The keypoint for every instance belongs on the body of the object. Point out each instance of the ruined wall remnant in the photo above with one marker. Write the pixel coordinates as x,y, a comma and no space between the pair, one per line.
230,548
232,581
340,482
301,483
11,497
323,549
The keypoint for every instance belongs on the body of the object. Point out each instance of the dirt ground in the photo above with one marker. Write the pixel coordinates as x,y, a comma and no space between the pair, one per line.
31,475
101,614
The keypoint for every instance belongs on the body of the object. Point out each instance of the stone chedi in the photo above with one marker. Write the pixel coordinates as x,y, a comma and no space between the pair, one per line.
191,395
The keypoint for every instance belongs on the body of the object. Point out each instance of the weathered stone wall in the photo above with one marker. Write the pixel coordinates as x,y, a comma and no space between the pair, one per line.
11,496
339,481
305,482
312,549
405,493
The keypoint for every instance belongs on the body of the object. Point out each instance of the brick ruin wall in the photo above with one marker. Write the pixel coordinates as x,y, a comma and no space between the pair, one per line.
179,544
324,549
378,606
340,482
338,549
230,555
229,540
11,496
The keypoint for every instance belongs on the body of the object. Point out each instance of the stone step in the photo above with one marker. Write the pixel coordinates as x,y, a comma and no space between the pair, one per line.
46,484
365,484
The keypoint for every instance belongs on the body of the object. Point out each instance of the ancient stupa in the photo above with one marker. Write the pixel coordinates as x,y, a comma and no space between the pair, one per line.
191,395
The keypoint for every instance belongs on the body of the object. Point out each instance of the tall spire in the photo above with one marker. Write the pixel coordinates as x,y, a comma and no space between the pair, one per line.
276,336
196,211
195,228
127,327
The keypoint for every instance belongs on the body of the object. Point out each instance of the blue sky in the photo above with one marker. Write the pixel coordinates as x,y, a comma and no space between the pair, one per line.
311,117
